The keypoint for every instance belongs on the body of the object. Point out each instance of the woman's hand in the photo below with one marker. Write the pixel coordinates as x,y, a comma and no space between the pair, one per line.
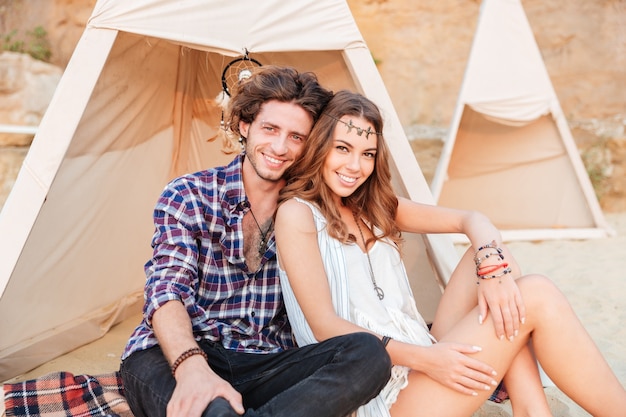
450,364
502,298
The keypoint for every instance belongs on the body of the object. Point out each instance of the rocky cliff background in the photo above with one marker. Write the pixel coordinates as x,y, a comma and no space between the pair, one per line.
421,48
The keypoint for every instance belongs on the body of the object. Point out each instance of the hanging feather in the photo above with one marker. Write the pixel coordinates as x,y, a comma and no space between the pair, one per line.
223,134
236,71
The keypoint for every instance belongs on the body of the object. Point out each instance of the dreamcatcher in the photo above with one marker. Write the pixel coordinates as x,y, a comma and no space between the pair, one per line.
235,71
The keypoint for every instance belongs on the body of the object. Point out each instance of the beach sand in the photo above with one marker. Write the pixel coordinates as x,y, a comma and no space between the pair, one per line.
591,273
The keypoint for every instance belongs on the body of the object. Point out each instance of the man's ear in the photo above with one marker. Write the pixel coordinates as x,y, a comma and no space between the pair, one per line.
243,128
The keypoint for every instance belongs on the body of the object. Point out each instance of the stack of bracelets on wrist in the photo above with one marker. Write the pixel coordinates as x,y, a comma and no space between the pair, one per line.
485,252
186,355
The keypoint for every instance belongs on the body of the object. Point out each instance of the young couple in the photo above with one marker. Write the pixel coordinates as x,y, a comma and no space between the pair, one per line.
215,340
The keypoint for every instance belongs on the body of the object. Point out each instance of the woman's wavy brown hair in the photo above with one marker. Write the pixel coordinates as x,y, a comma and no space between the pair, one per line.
375,200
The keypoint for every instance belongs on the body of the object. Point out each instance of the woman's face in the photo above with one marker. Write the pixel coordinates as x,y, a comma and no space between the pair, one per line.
352,157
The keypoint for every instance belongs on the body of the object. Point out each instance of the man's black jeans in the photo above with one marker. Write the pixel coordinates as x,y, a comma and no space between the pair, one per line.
332,378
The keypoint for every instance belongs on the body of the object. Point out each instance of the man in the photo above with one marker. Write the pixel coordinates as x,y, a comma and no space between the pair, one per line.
215,340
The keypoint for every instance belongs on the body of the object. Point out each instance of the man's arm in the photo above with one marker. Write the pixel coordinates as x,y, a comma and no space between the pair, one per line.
196,383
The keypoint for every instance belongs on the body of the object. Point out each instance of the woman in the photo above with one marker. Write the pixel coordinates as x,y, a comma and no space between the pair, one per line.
338,235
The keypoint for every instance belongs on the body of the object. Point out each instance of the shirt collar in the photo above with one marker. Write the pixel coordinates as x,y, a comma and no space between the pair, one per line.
235,194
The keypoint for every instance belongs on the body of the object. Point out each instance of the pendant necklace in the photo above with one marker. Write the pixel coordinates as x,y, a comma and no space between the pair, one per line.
263,235
379,291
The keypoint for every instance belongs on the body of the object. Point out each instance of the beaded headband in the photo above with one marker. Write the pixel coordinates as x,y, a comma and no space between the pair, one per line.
359,130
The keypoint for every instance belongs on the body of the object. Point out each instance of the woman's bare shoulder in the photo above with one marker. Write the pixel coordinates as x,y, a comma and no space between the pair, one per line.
293,211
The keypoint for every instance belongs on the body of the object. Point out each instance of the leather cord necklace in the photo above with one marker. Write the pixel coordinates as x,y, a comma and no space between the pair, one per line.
263,235
379,291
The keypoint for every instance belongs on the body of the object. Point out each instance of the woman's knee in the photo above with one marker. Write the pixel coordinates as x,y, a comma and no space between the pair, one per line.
536,282
541,295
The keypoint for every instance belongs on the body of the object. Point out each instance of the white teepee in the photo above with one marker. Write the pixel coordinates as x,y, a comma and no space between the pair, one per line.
135,107
509,152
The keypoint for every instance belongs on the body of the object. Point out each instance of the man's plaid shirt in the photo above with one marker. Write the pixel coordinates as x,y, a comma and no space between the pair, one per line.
198,259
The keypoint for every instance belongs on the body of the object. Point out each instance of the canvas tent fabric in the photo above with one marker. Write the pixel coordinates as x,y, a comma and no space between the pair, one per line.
135,107
509,151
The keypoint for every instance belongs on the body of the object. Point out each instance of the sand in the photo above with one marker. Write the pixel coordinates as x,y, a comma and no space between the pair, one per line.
591,273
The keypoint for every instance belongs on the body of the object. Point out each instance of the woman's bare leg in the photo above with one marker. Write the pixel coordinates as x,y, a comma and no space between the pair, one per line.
567,353
523,384
571,359
522,380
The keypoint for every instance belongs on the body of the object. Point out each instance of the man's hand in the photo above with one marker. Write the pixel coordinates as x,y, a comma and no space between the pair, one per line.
196,383
196,386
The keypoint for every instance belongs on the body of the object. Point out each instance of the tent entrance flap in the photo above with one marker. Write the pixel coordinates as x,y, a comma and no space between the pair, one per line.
519,176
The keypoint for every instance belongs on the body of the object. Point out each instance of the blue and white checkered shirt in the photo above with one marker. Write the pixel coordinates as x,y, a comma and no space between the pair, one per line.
198,259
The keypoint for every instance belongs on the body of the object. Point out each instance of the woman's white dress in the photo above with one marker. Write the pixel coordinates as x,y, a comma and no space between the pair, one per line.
354,299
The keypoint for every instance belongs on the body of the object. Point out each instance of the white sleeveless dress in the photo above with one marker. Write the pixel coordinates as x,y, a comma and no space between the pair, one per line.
354,299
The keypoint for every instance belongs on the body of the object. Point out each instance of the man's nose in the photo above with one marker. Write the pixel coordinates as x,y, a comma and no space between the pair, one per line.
279,145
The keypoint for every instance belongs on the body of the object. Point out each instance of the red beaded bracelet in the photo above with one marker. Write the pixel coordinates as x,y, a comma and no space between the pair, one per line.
484,270
186,355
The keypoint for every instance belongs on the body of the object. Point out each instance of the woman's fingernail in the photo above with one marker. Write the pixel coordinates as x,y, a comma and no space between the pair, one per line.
516,333
523,320
480,319
487,388
501,337
477,348
475,394
494,382
511,338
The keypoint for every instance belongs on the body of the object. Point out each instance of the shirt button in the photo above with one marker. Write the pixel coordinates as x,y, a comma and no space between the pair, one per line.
253,314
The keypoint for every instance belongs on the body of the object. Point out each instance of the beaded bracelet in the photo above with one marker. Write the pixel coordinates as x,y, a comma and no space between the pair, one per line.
386,340
507,270
186,355
484,270
492,245
480,260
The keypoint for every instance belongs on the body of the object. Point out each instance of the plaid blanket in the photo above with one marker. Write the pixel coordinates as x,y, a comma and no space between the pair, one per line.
500,394
62,394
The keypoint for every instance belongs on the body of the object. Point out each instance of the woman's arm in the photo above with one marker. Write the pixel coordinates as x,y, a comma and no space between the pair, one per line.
423,218
299,255
300,258
500,296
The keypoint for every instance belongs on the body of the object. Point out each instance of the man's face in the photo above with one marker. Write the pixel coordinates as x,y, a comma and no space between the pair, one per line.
276,138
